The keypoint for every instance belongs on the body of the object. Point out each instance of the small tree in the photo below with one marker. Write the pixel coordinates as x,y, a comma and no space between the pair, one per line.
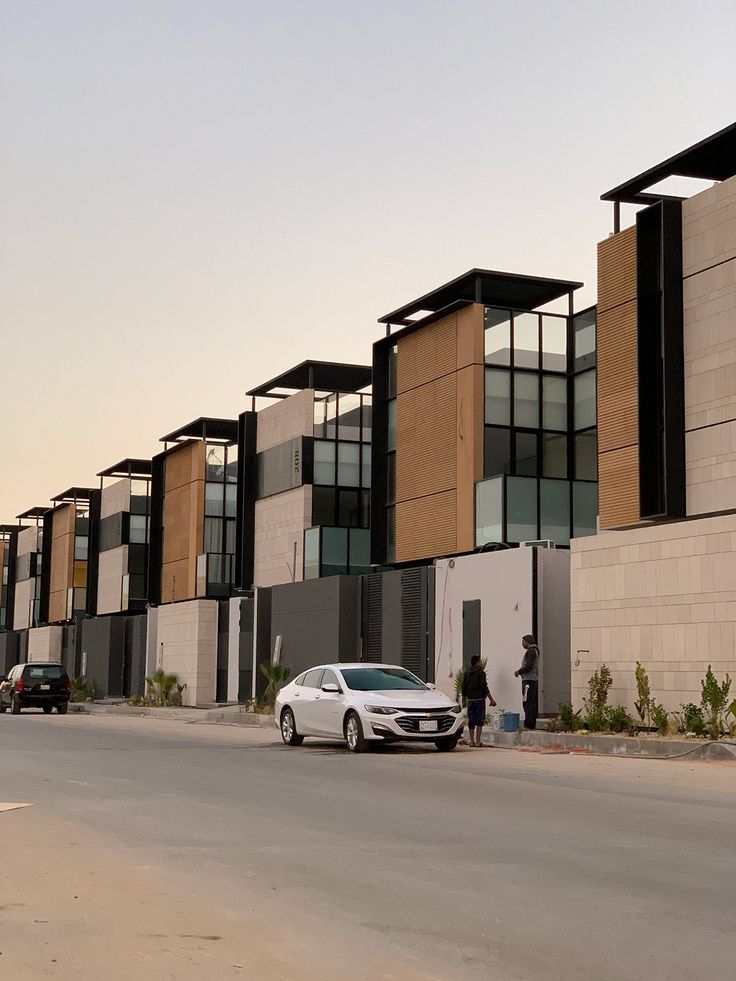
645,704
276,677
161,686
714,701
595,704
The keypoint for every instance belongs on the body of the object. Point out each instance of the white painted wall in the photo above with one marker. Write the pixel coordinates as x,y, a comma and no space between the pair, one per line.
44,643
187,645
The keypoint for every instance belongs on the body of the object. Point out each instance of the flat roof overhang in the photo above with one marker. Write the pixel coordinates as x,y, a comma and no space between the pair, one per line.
206,427
33,513
322,376
128,468
712,159
73,494
488,287
11,529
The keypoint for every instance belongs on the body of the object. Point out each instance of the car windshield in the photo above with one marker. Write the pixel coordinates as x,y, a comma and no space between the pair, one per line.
381,679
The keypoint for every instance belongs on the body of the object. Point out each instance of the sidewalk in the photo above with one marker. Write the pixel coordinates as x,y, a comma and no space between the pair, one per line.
234,715
613,745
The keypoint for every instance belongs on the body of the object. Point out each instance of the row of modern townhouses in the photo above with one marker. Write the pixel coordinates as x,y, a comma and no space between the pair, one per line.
507,463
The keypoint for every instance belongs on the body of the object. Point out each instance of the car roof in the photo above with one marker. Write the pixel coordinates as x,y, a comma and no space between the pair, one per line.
352,664
42,664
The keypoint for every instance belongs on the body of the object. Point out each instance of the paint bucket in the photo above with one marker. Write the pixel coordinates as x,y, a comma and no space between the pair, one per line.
510,721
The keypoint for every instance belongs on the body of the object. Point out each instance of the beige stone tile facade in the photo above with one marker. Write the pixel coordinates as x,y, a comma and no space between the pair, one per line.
186,645
664,595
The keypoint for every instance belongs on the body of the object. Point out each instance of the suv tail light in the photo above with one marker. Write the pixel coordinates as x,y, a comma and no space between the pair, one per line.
67,684
20,685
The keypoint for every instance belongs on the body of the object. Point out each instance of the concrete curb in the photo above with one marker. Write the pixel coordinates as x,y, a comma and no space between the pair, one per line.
224,716
612,745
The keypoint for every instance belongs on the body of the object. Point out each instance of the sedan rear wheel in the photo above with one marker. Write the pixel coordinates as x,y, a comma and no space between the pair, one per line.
62,708
354,733
15,705
47,709
288,729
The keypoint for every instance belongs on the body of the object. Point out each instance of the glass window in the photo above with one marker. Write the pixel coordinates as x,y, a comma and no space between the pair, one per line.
334,551
391,534
586,456
489,511
311,553
231,500
81,547
584,509
497,336
348,465
365,456
138,528
215,469
497,451
139,488
585,400
230,537
392,372
347,511
526,340
526,455
231,468
349,417
360,550
213,534
554,506
324,462
80,600
320,418
136,587
213,499
554,455
554,343
554,402
521,509
526,400
498,397
391,443
367,418
584,330
323,505
331,417
391,478
365,509
313,678
329,678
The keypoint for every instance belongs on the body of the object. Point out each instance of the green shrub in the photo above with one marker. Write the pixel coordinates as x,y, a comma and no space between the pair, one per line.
160,688
617,718
568,720
645,703
714,702
597,720
276,677
83,690
600,681
661,719
692,720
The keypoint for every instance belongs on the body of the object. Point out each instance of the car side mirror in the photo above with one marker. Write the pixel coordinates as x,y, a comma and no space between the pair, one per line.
429,684
331,689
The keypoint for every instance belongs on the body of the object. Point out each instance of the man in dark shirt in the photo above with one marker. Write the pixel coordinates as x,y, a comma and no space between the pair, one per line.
529,674
475,691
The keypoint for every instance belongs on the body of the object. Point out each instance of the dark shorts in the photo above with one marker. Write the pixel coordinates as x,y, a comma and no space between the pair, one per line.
476,712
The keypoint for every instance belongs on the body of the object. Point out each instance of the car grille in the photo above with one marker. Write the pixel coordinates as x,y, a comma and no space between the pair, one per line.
444,723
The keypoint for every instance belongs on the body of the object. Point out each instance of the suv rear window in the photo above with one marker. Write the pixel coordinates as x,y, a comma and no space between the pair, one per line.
51,673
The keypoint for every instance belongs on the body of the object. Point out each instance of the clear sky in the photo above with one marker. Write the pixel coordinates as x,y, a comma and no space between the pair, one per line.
195,196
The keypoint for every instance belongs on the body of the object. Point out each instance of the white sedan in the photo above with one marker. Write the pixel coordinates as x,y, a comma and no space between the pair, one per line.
366,703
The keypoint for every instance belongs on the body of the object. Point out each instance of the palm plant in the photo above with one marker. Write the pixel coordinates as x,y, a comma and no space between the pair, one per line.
162,685
276,677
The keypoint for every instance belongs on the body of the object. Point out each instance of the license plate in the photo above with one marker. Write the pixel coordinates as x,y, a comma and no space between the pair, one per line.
45,687
428,725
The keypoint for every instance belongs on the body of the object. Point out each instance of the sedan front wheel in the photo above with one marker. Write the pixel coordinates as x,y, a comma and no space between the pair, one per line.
288,729
354,733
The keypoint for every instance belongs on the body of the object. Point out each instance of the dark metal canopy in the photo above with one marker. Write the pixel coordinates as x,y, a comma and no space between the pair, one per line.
128,468
488,287
73,494
223,430
712,159
33,513
11,529
323,376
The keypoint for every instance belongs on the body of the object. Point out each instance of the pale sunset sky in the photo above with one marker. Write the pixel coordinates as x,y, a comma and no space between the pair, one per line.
195,196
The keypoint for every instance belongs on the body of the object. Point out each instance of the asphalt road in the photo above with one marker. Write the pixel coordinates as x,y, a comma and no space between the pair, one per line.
482,863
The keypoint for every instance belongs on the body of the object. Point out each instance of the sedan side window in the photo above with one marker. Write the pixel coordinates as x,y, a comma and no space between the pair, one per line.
330,678
313,678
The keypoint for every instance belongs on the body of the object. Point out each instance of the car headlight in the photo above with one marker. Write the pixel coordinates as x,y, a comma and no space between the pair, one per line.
455,709
381,710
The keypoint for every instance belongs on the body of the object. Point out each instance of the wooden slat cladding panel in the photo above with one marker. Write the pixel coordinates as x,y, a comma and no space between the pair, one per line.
618,489
618,393
618,399
183,521
617,269
425,527
426,451
426,354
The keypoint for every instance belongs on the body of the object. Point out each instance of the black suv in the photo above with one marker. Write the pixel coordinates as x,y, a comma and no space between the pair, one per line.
39,685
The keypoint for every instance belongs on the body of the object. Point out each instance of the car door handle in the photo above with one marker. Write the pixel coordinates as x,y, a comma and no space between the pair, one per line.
317,698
